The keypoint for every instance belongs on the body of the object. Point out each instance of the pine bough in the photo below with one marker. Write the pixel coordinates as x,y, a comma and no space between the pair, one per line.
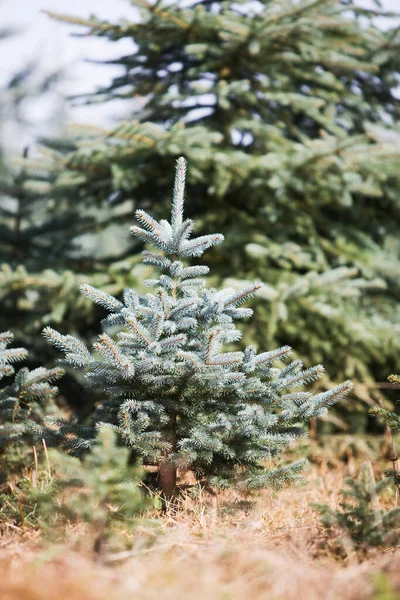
388,417
171,391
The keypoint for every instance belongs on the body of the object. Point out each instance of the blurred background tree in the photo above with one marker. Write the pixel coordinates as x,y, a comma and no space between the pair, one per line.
36,233
287,113
48,240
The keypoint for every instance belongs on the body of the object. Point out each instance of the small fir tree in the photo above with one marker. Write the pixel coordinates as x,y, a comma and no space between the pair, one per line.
102,490
170,391
361,520
24,400
392,422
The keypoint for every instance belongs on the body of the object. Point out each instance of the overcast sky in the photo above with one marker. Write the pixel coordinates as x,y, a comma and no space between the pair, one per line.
51,42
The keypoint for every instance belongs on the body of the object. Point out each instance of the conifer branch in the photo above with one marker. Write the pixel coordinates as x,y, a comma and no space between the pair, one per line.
178,196
101,298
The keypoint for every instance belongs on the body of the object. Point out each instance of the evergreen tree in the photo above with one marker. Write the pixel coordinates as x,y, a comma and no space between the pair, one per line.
48,241
392,424
43,262
170,390
102,490
37,233
24,399
361,519
288,111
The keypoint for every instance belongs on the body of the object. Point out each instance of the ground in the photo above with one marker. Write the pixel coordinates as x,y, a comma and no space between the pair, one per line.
271,546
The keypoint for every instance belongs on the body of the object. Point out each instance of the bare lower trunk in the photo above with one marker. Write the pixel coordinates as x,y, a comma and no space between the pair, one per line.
167,470
167,475
313,428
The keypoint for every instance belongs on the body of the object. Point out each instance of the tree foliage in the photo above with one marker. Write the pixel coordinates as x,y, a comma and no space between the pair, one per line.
25,398
287,111
102,490
48,241
173,391
361,522
386,416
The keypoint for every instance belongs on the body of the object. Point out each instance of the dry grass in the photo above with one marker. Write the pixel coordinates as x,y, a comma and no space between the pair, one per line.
215,548
222,570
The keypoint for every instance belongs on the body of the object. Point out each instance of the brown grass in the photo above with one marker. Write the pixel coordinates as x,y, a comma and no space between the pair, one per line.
218,548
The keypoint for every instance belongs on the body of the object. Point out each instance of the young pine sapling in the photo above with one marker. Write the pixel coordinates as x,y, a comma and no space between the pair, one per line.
171,391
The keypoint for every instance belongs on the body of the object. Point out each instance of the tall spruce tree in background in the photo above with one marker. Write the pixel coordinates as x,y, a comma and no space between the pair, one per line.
48,241
287,113
171,391
37,232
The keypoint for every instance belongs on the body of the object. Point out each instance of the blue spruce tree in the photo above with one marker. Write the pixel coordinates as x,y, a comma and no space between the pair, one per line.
172,392
25,398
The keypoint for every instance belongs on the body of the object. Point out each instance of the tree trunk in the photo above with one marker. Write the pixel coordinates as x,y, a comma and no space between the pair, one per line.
167,470
167,474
